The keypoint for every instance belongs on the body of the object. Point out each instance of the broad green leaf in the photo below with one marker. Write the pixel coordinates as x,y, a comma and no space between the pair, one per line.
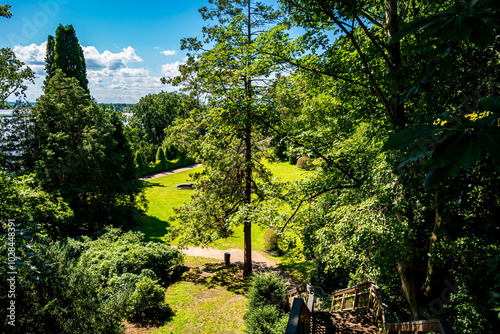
408,136
490,141
491,104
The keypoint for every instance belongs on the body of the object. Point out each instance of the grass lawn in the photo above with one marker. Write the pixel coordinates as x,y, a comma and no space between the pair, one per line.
208,299
163,197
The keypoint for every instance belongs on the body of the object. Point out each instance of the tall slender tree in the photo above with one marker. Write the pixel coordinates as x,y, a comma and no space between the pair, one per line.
227,67
65,53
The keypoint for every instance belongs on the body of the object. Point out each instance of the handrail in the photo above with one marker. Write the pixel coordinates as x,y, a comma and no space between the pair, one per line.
374,302
372,299
423,326
299,321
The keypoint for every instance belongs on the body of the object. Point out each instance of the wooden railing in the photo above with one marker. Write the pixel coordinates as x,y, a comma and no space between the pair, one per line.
424,326
299,321
366,296
363,296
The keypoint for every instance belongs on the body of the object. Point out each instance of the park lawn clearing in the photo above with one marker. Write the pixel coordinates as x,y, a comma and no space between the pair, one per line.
210,298
163,197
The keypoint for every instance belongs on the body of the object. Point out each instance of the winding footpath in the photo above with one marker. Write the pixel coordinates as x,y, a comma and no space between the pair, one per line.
168,172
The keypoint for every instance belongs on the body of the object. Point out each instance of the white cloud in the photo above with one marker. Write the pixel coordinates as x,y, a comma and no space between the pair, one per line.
31,54
171,70
112,61
110,77
169,52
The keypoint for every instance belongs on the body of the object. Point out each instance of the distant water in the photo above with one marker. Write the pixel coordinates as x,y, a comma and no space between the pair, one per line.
7,112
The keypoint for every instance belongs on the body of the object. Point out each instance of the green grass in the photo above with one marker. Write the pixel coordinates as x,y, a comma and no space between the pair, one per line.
163,197
208,299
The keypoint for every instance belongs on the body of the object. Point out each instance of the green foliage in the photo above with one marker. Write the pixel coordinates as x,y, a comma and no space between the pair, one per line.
65,53
292,159
266,289
304,163
13,75
4,11
267,319
86,285
23,201
116,253
81,154
266,304
53,294
161,160
152,117
270,240
139,163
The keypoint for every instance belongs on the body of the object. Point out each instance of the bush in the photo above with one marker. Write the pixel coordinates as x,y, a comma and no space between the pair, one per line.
304,163
266,289
116,253
161,160
54,295
270,240
266,304
292,160
147,294
267,319
139,164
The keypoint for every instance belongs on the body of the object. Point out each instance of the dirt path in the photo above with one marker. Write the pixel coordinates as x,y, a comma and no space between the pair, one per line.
168,172
259,262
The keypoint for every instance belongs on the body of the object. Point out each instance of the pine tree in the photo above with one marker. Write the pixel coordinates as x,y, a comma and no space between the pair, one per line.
65,53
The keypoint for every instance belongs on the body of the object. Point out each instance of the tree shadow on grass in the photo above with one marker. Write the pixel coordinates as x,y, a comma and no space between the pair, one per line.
217,274
151,184
153,228
155,316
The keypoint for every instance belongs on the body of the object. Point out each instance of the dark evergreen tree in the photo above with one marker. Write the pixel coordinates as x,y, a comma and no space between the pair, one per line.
83,157
65,53
49,59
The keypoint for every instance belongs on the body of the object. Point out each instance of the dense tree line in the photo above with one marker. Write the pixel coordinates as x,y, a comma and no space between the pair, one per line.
398,101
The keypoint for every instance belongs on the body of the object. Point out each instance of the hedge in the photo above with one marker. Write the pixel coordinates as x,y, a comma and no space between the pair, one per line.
162,164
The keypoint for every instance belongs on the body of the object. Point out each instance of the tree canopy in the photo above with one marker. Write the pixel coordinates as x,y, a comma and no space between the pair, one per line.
64,52
82,155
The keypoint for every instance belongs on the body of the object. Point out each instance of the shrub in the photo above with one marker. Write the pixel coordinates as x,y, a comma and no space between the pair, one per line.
139,163
161,160
292,160
147,294
266,289
267,319
266,304
54,295
270,240
116,253
304,163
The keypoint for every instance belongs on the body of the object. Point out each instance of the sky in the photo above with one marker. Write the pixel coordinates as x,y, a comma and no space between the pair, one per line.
128,45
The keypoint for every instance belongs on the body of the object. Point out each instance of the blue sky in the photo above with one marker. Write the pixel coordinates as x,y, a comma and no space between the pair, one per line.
128,45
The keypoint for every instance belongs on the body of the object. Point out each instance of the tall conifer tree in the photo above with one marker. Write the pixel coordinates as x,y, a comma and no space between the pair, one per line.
64,52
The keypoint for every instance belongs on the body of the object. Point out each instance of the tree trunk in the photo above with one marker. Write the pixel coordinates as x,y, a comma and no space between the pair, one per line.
427,287
407,276
247,266
394,49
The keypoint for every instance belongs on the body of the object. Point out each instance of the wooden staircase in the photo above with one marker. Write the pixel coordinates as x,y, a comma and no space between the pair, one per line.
345,322
358,309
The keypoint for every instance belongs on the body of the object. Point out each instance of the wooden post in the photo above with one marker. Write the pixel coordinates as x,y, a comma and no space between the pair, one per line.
342,302
355,302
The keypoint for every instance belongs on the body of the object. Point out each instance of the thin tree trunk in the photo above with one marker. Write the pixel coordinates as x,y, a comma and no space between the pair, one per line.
427,287
247,266
407,276
394,49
